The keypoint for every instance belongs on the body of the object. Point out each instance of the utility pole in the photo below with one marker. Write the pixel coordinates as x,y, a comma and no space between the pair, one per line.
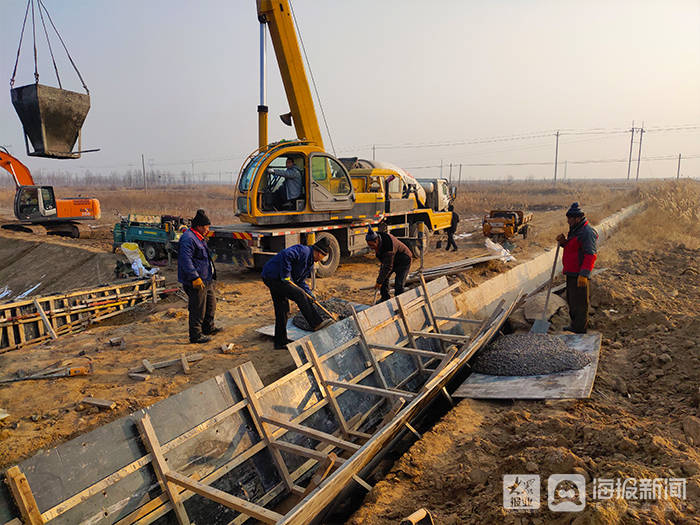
678,173
639,155
450,173
459,181
193,182
143,167
629,160
566,165
219,177
556,157
374,151
440,168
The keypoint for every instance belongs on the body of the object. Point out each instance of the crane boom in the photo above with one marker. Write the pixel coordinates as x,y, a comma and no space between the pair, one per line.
278,16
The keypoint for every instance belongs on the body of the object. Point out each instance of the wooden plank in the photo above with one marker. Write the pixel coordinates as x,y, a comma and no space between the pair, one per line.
372,389
368,350
185,364
431,311
139,377
445,337
457,319
324,468
150,440
162,364
148,366
313,433
362,482
303,451
408,350
256,414
22,494
224,498
403,315
312,357
101,403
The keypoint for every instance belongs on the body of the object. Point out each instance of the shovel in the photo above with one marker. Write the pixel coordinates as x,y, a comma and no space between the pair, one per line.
541,326
330,314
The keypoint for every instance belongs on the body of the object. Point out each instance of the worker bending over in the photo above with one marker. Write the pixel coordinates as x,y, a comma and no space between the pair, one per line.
580,248
196,272
395,258
285,275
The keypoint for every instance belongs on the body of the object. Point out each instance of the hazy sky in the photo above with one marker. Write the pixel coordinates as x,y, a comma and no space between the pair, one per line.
178,81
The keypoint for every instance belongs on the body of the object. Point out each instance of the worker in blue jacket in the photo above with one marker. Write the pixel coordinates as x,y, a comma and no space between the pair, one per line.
196,272
290,267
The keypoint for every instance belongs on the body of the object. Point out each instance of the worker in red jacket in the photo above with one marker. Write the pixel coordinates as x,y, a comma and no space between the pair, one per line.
580,248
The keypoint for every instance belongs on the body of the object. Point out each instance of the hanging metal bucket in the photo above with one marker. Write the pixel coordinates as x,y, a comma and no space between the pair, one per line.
51,118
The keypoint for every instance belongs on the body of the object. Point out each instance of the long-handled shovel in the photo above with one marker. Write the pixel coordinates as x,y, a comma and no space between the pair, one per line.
541,326
330,314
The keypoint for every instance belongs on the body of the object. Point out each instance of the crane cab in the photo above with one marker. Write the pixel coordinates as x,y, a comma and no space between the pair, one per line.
292,182
35,203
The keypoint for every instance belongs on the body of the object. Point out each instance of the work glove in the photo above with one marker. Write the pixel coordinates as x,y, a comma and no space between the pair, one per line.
288,279
582,281
377,286
198,283
561,239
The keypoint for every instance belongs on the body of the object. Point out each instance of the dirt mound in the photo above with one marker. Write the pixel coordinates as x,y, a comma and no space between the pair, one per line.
40,268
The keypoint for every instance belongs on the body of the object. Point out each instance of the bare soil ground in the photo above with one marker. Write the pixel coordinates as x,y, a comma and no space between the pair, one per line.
643,417
46,413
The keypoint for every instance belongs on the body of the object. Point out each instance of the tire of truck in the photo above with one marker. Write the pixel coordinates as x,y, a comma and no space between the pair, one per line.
150,251
417,246
330,265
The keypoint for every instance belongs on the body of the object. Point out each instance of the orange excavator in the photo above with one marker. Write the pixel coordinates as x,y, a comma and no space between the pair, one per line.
37,205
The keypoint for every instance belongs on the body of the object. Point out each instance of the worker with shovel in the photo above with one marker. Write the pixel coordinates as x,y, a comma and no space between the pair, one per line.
285,275
196,272
580,248
395,258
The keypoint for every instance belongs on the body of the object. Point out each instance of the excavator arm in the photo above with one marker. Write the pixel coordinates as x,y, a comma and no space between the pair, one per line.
20,173
278,17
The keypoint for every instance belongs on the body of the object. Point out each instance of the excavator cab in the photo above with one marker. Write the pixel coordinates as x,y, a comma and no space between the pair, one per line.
35,202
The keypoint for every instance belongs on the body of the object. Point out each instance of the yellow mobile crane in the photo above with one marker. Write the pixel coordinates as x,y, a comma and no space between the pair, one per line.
329,197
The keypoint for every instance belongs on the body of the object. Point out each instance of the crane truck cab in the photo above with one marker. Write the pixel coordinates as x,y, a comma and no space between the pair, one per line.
265,196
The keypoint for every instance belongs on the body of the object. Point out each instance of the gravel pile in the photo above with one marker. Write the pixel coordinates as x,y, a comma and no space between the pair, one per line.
527,355
337,306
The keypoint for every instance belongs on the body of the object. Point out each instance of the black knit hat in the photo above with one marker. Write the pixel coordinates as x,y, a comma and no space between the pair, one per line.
322,245
575,211
371,234
201,219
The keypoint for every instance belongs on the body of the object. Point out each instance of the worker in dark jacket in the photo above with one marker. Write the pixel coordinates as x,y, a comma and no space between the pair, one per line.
452,229
196,272
284,275
580,249
395,258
